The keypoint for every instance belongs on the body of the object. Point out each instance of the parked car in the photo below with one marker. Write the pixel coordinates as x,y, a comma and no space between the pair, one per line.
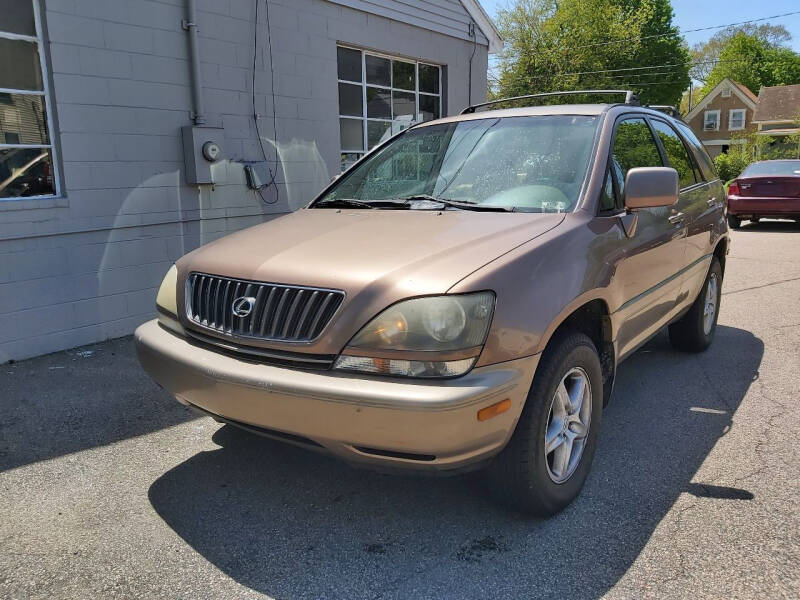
768,189
458,299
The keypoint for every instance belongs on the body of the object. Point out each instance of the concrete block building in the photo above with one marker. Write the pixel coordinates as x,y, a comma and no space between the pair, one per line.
133,131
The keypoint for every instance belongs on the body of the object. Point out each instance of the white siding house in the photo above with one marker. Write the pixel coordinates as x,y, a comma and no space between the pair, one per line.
103,128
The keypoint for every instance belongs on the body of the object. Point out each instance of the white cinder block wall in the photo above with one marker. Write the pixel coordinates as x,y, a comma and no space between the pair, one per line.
85,267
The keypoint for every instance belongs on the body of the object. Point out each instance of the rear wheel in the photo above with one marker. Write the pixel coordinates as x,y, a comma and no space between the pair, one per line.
694,332
544,466
734,222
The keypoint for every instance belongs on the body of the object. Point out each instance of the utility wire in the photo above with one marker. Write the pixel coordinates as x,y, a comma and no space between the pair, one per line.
272,174
629,69
672,33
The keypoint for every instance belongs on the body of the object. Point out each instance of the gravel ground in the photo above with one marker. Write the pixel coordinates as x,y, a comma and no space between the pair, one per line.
109,488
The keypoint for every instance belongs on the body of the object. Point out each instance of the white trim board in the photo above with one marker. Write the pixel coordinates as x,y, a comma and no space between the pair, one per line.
722,142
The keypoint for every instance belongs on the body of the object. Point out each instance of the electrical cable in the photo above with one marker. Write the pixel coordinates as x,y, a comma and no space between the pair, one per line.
658,35
473,29
272,173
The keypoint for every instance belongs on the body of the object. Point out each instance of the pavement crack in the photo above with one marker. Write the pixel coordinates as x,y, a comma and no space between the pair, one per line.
758,287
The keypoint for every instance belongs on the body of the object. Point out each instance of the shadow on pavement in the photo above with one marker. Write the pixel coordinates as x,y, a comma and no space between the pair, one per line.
79,399
293,524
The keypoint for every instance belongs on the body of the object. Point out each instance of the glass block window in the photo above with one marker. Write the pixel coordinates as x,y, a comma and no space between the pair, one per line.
380,96
27,156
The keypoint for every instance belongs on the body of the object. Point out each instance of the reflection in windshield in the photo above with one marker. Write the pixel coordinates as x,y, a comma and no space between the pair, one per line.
527,163
25,172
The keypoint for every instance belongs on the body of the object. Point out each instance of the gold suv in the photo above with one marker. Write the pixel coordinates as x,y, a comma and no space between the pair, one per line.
459,298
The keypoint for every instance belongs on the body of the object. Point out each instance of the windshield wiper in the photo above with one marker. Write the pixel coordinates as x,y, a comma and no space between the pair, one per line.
353,203
456,204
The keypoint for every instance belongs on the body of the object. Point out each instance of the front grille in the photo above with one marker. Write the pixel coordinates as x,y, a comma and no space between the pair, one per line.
277,312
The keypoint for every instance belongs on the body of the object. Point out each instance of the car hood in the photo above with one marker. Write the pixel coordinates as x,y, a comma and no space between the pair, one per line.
376,256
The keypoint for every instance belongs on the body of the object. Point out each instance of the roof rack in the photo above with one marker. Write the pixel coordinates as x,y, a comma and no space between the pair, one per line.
667,109
630,97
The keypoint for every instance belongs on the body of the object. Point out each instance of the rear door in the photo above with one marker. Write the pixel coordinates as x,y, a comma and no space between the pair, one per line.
705,214
692,205
648,263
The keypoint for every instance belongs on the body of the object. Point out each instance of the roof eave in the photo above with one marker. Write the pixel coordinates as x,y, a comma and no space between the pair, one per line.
485,23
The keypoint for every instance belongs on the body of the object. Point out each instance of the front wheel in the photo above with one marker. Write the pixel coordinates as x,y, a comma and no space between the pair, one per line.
544,466
694,331
734,222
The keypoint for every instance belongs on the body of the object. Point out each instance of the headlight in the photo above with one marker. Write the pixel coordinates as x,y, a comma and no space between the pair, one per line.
436,336
167,302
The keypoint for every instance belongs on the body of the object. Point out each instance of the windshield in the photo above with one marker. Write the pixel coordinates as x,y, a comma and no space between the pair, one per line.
773,167
520,163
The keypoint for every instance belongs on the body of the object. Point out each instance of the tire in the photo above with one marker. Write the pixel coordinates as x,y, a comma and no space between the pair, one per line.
734,222
693,332
522,475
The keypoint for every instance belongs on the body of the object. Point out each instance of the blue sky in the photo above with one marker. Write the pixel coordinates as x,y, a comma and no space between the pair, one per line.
693,14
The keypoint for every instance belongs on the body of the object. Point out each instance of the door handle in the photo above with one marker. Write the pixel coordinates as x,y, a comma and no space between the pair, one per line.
676,218
712,201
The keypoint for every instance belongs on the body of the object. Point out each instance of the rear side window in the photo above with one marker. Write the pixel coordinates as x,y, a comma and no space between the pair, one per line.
676,152
700,155
634,146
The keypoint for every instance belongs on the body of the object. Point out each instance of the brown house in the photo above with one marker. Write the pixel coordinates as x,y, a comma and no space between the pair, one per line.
778,111
726,110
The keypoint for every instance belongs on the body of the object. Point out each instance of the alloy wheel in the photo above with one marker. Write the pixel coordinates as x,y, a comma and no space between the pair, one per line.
710,304
568,425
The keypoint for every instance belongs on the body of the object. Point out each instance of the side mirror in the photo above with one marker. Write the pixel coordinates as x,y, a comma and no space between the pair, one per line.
649,187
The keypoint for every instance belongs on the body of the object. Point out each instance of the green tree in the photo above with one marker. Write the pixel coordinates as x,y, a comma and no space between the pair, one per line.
706,54
583,44
754,62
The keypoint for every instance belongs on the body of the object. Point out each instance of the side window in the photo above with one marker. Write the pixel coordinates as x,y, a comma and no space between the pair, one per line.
676,152
634,146
611,196
700,154
607,199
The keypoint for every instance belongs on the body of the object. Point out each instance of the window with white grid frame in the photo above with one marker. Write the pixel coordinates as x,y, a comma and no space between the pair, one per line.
736,119
711,120
381,95
27,157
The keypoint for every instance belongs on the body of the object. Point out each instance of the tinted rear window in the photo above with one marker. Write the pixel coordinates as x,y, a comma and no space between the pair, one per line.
773,167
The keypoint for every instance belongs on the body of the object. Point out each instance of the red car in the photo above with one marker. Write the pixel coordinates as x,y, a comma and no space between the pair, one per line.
765,189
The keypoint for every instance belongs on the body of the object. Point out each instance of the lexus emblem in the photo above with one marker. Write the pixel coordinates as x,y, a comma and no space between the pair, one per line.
243,306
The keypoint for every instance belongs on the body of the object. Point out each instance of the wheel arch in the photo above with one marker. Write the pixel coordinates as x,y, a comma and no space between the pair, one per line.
721,251
592,318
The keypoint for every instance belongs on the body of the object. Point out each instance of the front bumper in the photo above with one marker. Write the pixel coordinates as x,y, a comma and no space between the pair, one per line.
425,425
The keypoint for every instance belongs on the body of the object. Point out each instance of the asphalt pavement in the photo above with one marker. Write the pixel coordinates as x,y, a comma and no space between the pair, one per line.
111,489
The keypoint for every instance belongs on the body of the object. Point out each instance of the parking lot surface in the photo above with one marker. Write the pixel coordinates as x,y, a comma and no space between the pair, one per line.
109,488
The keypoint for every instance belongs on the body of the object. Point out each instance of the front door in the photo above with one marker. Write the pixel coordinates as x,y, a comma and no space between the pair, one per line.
649,262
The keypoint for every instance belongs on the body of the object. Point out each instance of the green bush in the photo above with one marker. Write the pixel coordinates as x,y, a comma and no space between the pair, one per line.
730,165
